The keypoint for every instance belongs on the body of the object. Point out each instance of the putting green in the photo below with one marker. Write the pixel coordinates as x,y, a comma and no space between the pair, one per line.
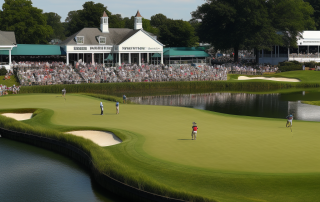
230,151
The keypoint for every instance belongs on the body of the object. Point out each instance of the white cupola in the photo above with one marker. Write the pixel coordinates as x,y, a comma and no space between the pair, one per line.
104,25
138,21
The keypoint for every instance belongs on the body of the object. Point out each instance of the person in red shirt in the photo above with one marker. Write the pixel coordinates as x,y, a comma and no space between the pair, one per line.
194,131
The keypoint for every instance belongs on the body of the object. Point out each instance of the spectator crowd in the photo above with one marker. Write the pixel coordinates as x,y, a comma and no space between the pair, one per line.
30,73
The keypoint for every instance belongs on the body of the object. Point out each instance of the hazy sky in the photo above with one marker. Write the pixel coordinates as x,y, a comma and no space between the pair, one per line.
176,9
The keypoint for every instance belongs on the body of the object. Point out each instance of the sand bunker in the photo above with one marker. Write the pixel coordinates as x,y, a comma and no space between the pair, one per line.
18,117
270,79
101,138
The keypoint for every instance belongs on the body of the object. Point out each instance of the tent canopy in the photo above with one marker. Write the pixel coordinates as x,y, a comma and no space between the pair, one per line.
35,49
185,52
110,57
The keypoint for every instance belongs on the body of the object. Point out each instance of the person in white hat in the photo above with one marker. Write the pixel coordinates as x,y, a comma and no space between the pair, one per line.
194,131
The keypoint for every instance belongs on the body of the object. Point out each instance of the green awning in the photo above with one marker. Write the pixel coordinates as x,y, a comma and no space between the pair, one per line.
184,52
110,57
156,55
34,49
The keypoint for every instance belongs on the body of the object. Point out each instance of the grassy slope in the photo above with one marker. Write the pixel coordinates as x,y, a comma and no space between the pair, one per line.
312,102
303,76
223,162
10,82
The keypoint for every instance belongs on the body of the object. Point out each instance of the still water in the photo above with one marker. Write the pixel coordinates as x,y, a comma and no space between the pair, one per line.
260,105
28,173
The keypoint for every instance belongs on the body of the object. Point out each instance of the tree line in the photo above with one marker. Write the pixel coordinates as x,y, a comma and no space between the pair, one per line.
225,24
32,26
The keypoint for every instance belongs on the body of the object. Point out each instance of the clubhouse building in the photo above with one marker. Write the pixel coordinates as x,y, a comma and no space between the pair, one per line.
308,50
113,45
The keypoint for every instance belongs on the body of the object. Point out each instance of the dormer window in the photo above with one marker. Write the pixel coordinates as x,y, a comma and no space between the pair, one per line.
80,39
101,39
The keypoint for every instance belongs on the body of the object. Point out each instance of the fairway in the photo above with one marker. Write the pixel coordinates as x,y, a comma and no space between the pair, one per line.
229,149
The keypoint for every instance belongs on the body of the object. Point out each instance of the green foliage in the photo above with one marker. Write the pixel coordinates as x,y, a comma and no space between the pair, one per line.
316,15
90,16
252,23
3,71
177,33
54,20
28,22
147,27
158,20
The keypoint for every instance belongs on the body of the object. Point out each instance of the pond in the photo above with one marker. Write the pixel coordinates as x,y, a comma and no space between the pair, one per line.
276,105
30,173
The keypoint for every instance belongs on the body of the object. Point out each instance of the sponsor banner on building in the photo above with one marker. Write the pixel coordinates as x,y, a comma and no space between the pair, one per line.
89,48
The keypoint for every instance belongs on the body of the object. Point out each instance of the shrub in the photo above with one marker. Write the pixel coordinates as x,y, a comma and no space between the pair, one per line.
3,71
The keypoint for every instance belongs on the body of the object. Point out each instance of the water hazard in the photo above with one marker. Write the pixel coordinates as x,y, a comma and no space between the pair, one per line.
261,105
32,174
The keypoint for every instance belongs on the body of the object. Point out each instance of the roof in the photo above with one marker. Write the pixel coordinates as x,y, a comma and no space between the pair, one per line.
7,38
138,14
184,52
104,14
115,36
34,49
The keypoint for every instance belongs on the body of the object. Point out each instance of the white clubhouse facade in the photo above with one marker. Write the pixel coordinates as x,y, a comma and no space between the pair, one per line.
308,50
113,45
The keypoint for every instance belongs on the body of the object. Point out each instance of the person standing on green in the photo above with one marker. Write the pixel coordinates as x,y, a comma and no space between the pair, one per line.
124,99
194,131
117,108
101,107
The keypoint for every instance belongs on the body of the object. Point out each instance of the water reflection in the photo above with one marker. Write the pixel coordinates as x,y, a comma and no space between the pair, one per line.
260,105
30,174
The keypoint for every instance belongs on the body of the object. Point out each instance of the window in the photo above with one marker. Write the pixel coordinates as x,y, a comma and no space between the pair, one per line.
80,39
102,40
138,20
105,20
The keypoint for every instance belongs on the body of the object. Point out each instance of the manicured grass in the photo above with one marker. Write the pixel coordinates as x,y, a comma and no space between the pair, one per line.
13,80
234,158
312,102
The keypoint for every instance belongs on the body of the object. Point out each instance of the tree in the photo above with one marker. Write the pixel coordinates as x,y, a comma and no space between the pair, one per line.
316,6
90,16
252,23
54,20
147,27
177,33
158,20
28,22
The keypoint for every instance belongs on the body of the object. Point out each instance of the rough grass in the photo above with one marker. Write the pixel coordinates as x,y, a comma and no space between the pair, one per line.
234,158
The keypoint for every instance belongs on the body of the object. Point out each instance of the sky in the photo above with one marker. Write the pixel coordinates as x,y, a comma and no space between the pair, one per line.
176,9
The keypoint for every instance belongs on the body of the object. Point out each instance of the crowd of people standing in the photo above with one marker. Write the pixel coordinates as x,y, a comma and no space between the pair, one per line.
30,73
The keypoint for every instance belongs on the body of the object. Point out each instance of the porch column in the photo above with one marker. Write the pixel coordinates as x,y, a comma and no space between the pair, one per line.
67,59
162,58
78,57
103,59
308,51
9,57
119,55
318,51
139,59
148,58
129,58
92,58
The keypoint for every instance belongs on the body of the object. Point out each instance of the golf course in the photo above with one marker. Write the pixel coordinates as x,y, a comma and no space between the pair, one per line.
235,158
